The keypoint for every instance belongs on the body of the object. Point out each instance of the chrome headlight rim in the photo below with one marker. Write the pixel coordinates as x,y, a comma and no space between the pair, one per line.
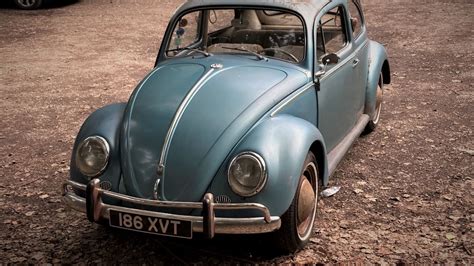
106,153
263,177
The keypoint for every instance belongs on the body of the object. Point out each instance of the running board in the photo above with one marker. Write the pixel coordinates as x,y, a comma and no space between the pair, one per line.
336,155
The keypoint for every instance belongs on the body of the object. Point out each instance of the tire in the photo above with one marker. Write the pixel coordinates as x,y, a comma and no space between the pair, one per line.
294,234
378,108
28,4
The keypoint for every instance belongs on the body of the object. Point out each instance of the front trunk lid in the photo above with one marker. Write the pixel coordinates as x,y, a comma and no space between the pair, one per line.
190,123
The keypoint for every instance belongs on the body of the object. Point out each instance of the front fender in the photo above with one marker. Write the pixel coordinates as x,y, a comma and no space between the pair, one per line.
104,122
283,141
378,63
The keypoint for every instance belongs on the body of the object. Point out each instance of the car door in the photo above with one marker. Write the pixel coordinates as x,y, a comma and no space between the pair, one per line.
338,99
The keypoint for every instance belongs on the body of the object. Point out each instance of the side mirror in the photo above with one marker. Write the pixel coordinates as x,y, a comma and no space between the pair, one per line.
328,59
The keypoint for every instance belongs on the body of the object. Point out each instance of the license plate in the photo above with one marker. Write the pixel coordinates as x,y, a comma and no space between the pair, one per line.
151,224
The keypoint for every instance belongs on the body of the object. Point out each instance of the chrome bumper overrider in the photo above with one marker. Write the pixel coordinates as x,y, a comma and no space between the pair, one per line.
207,223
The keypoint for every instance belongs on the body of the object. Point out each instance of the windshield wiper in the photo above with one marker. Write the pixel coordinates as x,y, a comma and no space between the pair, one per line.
242,49
206,54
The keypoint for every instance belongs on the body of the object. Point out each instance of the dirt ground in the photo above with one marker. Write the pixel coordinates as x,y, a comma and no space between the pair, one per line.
407,189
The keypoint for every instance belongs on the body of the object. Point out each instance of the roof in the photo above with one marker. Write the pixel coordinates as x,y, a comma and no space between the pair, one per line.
307,8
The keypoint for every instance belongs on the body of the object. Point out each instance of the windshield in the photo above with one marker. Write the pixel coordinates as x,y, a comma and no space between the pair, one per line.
270,33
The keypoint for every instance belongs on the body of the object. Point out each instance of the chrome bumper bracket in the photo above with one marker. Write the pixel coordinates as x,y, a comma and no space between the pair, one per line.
208,215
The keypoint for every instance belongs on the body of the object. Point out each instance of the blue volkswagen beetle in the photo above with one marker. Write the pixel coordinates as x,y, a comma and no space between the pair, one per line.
250,107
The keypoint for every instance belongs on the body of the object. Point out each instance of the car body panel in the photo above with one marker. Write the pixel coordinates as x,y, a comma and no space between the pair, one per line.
153,104
195,141
342,84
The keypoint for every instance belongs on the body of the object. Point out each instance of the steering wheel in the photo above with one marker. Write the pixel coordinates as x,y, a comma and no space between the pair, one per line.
279,50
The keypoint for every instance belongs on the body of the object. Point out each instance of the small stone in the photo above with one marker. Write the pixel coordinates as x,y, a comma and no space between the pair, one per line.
425,229
468,151
30,213
346,236
450,236
38,256
371,198
454,218
358,191
367,251
395,198
44,196
447,197
18,259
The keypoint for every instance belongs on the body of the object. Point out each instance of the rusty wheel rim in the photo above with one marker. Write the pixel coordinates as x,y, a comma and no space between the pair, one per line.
378,104
305,213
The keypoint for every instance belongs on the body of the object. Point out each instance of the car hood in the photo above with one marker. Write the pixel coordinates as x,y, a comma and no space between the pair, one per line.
197,109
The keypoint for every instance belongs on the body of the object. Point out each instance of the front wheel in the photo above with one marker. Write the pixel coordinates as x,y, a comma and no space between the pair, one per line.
28,4
298,221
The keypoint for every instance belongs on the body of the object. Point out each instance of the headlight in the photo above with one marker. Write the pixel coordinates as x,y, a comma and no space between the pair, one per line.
92,156
247,174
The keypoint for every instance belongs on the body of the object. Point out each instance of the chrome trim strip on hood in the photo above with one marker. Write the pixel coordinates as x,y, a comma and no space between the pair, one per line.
177,116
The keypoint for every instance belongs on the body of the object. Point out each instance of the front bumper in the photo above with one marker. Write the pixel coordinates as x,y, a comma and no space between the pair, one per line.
207,223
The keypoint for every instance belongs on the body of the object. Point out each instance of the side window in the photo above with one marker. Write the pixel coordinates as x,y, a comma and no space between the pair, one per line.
356,18
331,36
220,26
185,33
220,20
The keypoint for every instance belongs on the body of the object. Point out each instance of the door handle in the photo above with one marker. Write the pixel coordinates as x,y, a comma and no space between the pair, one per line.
355,62
320,73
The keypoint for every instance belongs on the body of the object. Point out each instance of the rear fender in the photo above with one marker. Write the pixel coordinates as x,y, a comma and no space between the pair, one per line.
378,64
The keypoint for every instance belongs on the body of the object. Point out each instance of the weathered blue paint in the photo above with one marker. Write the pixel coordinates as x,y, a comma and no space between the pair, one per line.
201,127
105,122
147,118
377,58
283,141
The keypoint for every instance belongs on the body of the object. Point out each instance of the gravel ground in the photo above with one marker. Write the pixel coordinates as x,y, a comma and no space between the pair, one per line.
407,189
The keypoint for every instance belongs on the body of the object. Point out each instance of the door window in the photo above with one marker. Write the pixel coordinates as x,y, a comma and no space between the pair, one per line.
356,18
331,36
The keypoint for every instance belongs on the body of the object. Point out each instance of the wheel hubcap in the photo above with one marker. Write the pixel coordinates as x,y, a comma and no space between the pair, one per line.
307,200
378,106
